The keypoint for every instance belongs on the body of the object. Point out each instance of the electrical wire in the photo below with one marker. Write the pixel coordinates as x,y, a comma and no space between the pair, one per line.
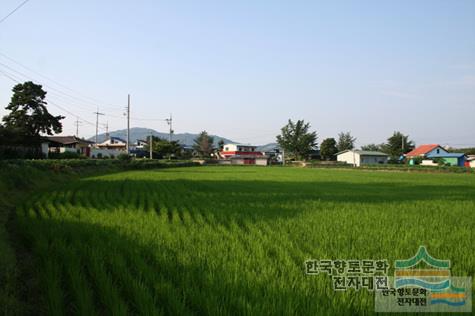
14,10
67,95
49,101
92,100
63,95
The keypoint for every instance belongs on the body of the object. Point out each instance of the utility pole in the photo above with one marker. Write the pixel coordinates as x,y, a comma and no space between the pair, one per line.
77,126
283,157
150,145
128,123
170,132
97,122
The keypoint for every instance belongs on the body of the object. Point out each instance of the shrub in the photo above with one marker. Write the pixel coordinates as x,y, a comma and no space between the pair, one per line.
124,157
417,160
66,155
440,161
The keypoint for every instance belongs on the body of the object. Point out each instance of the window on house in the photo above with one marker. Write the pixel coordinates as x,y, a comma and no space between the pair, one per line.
438,151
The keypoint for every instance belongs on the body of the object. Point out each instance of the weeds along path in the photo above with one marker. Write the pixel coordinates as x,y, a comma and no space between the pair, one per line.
233,240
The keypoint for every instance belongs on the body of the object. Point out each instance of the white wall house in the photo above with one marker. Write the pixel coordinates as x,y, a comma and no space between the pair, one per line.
234,149
140,144
239,154
362,157
115,143
471,161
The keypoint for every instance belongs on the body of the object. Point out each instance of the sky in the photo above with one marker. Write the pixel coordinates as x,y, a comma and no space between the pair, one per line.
241,69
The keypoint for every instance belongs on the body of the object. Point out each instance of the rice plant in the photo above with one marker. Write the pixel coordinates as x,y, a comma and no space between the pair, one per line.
233,240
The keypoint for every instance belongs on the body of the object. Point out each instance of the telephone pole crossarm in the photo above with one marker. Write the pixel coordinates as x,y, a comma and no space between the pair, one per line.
97,123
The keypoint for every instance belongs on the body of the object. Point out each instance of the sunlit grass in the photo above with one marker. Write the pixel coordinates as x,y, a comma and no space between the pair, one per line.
233,240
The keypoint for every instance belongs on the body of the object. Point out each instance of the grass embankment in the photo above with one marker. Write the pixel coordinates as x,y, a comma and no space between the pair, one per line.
233,240
19,179
394,167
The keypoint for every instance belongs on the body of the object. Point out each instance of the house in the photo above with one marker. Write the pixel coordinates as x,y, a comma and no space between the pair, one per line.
362,157
239,154
453,159
432,152
140,144
424,150
274,154
186,151
61,144
113,143
470,161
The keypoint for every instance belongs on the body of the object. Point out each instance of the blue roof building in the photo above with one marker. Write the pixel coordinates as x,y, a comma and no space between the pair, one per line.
454,159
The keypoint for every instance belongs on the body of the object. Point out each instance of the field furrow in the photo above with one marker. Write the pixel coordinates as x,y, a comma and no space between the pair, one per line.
221,241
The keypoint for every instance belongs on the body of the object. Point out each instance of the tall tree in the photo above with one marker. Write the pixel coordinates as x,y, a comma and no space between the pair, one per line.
372,147
345,141
28,115
328,149
398,144
164,147
295,138
203,144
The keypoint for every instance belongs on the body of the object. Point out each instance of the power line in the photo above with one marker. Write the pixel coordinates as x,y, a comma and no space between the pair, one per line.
97,122
69,112
16,76
56,82
12,77
8,76
16,79
49,86
63,95
169,122
14,10
77,123
128,124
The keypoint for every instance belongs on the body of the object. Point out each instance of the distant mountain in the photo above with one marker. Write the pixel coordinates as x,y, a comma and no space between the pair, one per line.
144,133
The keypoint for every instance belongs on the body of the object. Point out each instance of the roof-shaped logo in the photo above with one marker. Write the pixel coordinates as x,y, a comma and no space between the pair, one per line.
435,277
422,255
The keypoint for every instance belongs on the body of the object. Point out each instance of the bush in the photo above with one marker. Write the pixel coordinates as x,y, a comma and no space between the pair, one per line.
66,155
20,152
441,162
417,160
394,161
124,157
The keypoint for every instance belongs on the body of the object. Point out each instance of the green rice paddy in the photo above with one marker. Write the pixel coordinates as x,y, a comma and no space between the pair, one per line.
233,240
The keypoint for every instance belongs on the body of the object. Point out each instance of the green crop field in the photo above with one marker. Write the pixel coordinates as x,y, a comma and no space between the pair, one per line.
233,240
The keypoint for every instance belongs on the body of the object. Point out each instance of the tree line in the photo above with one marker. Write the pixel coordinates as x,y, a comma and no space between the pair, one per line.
29,119
299,142
203,146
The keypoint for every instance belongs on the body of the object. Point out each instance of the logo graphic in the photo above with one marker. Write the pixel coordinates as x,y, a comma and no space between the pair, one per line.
436,279
425,284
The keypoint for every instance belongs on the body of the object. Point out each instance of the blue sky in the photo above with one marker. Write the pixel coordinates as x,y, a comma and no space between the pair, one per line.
241,69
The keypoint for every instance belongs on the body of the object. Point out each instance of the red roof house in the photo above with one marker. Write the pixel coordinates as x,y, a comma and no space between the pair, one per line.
424,150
